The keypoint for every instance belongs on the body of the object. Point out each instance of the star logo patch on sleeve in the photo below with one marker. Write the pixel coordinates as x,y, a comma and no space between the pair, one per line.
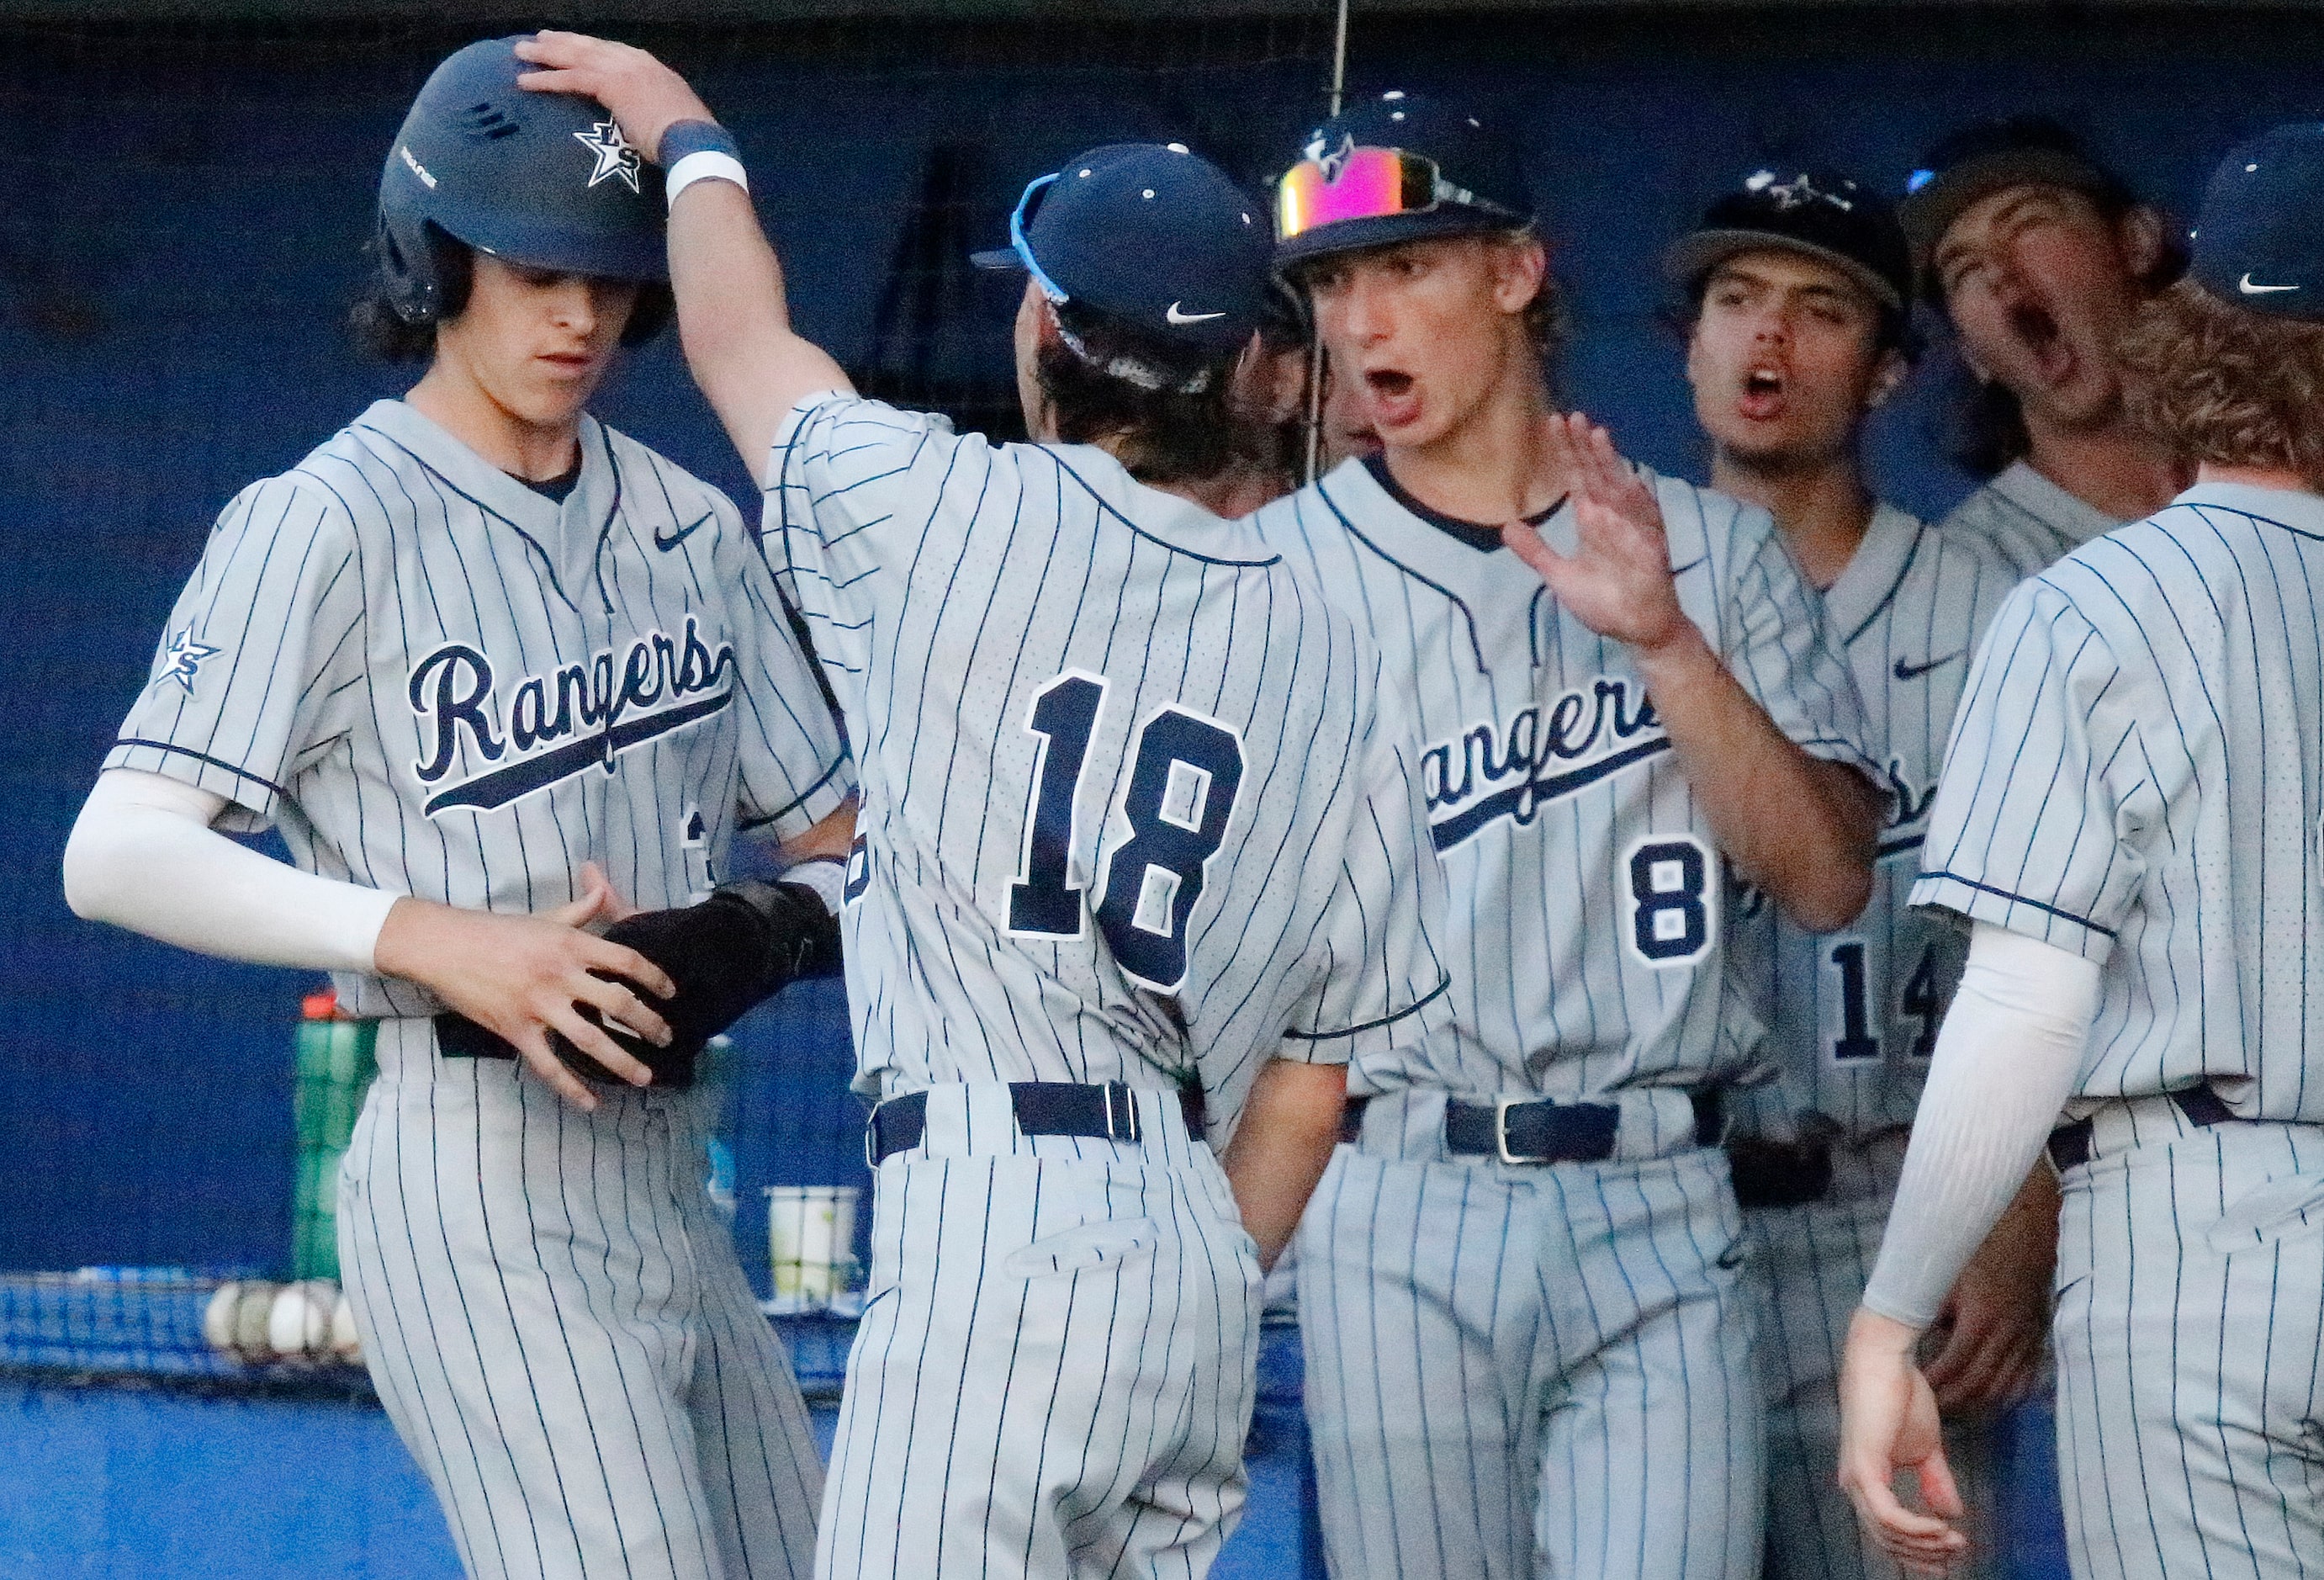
183,656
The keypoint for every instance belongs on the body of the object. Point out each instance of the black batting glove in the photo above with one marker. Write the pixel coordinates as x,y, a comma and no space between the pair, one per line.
727,955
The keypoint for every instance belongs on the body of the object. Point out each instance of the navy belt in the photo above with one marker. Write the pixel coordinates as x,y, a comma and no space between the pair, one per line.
457,1037
1542,1130
1106,1112
2070,1144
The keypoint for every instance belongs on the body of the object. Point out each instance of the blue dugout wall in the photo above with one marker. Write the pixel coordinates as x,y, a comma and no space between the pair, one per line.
181,212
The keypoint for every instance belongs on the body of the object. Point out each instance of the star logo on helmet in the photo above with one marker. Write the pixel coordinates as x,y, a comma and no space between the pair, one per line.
1793,194
1332,160
184,656
616,160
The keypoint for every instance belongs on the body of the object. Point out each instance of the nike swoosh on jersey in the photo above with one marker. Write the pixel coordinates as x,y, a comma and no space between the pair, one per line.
1175,316
668,543
2248,289
1911,671
1679,570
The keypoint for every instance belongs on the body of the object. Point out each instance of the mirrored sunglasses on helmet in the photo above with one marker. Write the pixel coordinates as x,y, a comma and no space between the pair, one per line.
1368,183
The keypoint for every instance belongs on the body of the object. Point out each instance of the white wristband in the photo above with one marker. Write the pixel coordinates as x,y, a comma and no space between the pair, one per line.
825,874
705,164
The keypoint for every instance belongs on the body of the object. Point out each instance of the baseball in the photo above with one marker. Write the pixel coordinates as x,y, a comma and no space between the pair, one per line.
299,1318
217,1316
247,1331
346,1344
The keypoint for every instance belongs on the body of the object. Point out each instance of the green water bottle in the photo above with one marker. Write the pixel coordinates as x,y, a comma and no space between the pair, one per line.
336,1062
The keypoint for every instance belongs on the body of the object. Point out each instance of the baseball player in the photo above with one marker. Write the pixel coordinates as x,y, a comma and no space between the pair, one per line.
1798,284
1139,840
1272,391
483,661
2037,256
1528,1349
2128,819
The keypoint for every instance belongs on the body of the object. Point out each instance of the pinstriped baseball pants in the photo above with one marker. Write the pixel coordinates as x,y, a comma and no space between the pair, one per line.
2191,1348
560,1330
1056,1362
1516,1372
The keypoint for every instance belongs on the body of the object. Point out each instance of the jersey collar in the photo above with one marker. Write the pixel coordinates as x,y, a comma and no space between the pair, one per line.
1426,551
2295,509
2070,515
566,536
1872,575
1165,518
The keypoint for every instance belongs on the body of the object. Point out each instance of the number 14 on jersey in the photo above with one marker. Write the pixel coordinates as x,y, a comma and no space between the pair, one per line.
1856,1039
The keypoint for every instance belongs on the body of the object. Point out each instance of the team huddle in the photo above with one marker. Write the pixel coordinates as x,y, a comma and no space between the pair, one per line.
1719,991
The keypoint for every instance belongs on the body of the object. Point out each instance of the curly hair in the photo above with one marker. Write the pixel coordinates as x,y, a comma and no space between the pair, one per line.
2217,384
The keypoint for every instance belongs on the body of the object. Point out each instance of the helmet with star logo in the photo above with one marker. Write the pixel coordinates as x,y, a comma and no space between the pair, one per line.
1399,168
543,179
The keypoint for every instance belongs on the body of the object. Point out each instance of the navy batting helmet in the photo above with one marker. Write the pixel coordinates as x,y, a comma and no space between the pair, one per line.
544,180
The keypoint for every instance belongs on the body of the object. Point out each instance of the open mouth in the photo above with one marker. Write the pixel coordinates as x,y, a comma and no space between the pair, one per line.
1763,392
1391,398
2037,329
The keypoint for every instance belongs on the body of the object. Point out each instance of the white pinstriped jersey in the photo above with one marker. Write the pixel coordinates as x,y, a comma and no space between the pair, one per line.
2027,519
1587,936
1131,809
439,682
1855,1012
2136,775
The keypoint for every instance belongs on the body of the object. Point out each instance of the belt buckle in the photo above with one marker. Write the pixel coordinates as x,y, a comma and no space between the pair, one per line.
1501,1107
1127,1129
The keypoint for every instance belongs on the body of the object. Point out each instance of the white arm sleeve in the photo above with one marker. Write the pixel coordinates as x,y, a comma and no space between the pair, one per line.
144,857
2006,1060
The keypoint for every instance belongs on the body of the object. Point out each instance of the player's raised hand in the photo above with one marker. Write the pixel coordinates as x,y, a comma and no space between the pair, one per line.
1889,1423
1618,579
646,96
519,976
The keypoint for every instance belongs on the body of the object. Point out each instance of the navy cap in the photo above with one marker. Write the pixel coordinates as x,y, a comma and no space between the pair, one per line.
1819,213
2259,241
1469,156
1981,160
1150,237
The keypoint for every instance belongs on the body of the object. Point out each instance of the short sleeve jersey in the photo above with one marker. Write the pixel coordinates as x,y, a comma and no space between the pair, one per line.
1587,930
1855,1012
2028,520
437,681
2136,775
1132,810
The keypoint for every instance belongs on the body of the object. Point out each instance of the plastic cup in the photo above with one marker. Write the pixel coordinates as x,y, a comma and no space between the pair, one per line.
810,1243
